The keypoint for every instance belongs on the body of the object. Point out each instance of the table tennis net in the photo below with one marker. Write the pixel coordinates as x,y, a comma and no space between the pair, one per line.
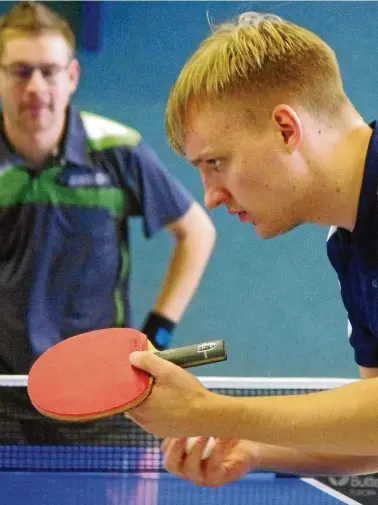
28,441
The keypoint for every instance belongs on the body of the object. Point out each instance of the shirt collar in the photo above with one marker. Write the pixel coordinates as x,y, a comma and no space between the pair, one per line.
75,143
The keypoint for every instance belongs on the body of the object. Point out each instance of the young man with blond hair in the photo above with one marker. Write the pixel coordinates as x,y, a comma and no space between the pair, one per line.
260,111
69,184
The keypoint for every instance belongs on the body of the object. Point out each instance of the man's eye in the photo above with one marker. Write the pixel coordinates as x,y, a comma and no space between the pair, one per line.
23,72
48,72
215,163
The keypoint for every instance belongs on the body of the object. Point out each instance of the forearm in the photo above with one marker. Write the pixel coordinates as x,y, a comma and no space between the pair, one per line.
293,461
185,269
339,421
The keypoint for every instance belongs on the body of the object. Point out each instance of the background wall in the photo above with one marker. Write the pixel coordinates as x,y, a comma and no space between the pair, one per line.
275,302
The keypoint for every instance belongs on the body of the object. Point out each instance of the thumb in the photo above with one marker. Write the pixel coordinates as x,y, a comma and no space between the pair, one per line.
149,362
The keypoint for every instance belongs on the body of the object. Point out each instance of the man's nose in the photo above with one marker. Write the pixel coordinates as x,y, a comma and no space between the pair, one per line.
214,197
36,81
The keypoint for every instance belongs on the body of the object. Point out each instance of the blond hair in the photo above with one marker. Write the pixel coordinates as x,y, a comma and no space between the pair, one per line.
34,19
262,57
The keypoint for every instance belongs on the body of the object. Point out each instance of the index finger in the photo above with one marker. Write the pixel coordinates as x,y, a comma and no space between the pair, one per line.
165,443
174,455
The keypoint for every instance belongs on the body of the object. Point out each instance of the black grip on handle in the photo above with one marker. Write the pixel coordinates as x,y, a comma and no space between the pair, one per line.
196,355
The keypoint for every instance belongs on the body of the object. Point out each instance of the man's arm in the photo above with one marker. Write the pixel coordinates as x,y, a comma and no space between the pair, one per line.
163,202
194,237
231,459
284,459
341,421
368,373
292,461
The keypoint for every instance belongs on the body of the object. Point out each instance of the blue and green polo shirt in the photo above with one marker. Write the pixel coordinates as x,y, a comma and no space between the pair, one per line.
64,261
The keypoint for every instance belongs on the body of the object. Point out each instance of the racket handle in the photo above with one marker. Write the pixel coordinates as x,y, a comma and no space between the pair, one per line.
196,355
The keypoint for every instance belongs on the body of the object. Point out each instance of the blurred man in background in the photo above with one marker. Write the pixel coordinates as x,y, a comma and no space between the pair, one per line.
69,184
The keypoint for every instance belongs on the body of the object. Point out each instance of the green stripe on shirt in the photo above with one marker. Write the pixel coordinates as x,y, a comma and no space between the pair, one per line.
17,187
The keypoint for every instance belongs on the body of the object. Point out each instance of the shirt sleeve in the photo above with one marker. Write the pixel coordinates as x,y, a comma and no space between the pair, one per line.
364,343
155,195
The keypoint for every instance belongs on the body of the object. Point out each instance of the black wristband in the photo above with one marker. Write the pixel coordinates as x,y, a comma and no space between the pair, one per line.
158,329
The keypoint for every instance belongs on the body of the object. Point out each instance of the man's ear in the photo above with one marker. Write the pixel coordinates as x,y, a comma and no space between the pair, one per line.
74,74
288,125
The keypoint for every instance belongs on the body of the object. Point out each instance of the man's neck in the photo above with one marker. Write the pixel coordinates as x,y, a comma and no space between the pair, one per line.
35,148
339,162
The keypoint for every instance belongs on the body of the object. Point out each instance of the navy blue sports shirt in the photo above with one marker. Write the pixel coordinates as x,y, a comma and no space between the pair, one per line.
354,255
64,260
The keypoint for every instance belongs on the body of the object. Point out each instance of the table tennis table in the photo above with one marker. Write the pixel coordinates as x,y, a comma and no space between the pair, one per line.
73,488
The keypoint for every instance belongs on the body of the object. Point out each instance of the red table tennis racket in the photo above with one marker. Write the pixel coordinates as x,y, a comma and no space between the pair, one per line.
89,376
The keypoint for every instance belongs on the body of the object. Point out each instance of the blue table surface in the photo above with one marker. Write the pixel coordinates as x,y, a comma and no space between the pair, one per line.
41,475
65,488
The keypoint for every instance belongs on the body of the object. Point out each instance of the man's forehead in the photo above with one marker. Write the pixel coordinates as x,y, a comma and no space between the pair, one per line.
207,124
225,113
51,47
197,108
203,140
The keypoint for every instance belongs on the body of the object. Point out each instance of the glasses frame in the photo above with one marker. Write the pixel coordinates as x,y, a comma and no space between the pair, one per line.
23,72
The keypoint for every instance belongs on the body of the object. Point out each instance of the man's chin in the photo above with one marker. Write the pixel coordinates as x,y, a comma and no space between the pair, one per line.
266,232
34,126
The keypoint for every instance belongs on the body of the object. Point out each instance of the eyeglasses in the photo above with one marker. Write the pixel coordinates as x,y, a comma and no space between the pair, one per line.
22,73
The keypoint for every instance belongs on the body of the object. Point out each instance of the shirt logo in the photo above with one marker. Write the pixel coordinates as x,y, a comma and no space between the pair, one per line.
85,180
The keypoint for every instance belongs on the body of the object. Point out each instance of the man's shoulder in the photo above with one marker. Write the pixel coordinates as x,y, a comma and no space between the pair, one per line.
104,133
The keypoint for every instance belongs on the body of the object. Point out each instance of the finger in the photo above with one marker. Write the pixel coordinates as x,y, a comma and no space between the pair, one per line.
165,443
174,455
232,471
215,461
151,363
225,466
193,465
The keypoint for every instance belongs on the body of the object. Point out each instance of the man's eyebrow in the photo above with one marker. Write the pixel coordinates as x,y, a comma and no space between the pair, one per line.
195,161
31,64
206,153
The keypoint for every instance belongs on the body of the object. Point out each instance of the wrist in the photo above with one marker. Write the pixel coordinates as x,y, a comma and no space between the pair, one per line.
159,330
204,409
